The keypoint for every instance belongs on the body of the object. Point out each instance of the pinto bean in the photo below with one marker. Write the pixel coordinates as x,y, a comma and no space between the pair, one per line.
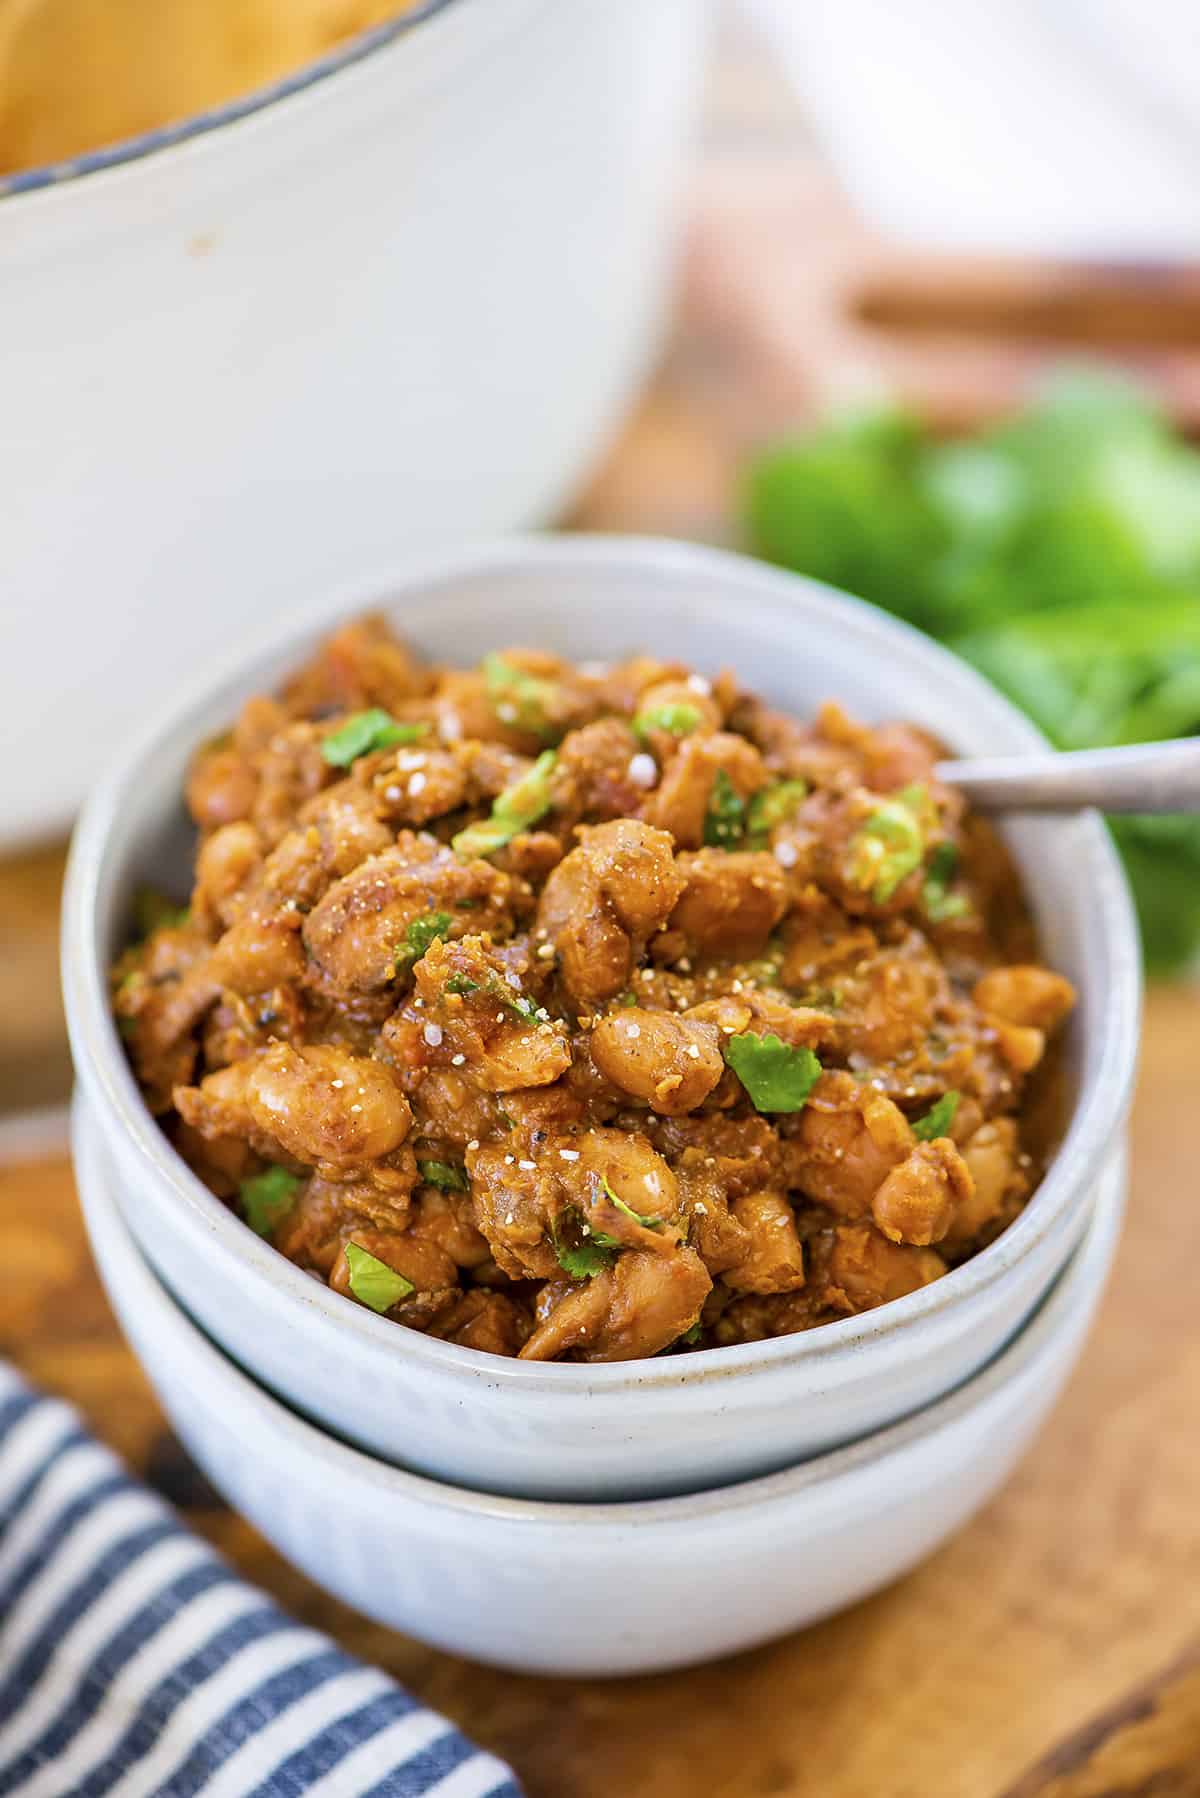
326,1107
671,1062
919,1200
849,1140
1025,994
774,1259
731,903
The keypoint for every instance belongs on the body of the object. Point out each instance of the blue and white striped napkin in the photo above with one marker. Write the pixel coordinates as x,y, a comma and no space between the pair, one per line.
134,1661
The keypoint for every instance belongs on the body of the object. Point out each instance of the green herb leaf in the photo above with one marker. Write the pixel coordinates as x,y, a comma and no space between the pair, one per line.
886,848
497,990
939,902
647,1223
677,720
519,698
515,809
726,814
421,933
153,911
776,1076
938,1119
373,1282
462,984
626,999
1058,551
587,1258
773,806
267,1198
693,1335
365,732
447,1175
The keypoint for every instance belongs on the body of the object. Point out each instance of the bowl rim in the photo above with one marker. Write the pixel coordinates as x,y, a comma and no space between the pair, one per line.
358,48
105,1073
1085,1272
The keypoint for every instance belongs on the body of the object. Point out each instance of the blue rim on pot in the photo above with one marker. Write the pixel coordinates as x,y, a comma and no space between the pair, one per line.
145,143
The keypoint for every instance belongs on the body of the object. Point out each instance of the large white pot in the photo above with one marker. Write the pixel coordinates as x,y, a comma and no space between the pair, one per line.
407,293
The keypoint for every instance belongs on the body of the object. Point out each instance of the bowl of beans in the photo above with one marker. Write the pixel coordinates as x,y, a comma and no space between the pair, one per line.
550,1024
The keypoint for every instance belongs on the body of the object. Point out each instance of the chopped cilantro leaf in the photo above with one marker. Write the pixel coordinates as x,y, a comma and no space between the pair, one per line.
774,805
373,1282
937,1120
367,731
518,697
585,1259
915,798
515,809
939,902
445,1174
887,846
626,999
153,911
267,1198
647,1223
943,863
726,814
693,1335
497,990
676,720
777,1077
421,933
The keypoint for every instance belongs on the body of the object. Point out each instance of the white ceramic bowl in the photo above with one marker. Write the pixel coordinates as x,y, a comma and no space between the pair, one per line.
407,292
635,1428
597,1589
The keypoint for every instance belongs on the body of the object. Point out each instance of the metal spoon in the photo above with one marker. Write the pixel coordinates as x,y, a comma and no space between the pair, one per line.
1145,777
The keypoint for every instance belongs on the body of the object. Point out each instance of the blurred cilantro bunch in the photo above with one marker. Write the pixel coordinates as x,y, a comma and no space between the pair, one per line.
1059,552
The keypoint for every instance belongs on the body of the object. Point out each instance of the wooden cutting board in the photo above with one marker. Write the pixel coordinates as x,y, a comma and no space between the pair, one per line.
1034,1639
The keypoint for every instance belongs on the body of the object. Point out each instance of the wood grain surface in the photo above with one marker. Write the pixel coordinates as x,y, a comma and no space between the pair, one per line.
1035,1639
1147,1745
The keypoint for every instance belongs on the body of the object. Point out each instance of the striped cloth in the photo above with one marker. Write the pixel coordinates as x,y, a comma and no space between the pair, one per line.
134,1661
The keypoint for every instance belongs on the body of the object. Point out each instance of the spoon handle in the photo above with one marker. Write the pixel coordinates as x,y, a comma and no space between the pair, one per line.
1144,777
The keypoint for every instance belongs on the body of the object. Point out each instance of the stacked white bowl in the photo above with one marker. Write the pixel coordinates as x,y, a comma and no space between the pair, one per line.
603,1518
